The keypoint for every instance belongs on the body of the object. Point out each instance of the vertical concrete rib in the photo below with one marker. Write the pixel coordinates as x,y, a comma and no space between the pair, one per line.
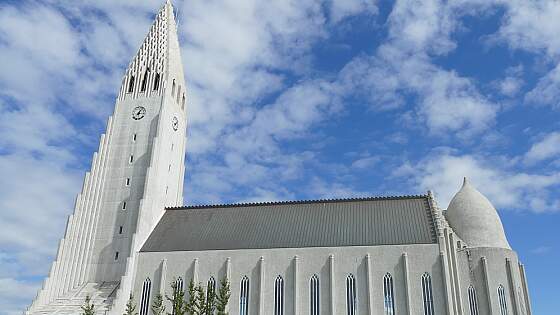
513,287
528,307
456,277
162,279
195,271
296,267
369,283
487,285
261,286
85,276
449,250
228,268
84,215
331,282
92,227
406,283
90,212
446,285
74,235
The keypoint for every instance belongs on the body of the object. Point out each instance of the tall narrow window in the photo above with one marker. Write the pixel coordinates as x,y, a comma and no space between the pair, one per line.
427,294
279,296
124,205
211,287
131,158
116,255
502,300
145,80
178,94
173,88
244,297
314,293
156,82
134,138
183,102
178,288
127,182
388,295
473,302
145,299
351,298
131,84
120,229
179,284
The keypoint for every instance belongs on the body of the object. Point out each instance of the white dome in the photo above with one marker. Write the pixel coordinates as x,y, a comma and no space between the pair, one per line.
475,220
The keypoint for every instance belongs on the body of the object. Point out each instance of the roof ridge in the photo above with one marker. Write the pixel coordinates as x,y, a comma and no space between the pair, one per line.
291,202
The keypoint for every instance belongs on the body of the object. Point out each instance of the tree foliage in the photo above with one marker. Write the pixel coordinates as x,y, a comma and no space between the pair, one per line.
200,301
130,307
88,308
223,296
177,299
158,308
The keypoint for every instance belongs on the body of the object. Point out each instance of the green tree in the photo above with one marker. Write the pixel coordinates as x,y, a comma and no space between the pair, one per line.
88,308
200,300
130,307
177,299
210,303
190,306
222,299
157,306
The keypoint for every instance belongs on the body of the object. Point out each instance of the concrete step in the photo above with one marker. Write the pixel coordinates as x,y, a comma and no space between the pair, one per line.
101,295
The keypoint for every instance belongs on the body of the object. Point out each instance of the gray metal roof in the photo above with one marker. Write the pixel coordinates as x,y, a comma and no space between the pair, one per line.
296,224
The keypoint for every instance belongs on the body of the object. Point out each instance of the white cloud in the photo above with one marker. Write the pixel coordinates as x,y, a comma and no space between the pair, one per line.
442,172
531,25
340,9
547,148
541,250
14,292
547,91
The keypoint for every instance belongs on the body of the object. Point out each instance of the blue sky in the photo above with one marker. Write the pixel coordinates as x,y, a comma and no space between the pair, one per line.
293,100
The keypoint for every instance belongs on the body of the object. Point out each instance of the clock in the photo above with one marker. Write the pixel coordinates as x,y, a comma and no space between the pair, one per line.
138,113
175,123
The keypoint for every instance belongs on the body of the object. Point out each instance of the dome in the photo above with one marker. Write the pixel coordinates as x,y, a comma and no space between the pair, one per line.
475,220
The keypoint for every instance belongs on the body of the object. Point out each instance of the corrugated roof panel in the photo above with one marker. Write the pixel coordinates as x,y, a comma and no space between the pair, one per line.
327,223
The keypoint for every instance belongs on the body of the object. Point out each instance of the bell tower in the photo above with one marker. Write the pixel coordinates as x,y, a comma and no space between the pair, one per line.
137,171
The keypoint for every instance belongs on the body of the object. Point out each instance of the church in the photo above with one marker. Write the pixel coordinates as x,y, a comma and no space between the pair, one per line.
130,234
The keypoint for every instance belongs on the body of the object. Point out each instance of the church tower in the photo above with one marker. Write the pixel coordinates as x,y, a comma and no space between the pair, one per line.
137,171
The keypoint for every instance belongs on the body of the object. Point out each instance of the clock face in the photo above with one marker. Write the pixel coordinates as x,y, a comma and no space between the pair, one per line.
138,113
175,123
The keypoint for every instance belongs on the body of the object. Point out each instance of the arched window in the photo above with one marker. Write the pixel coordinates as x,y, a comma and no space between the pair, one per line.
173,88
244,297
473,302
145,299
502,300
427,294
388,295
156,82
314,293
145,80
211,287
131,84
279,296
179,285
351,300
